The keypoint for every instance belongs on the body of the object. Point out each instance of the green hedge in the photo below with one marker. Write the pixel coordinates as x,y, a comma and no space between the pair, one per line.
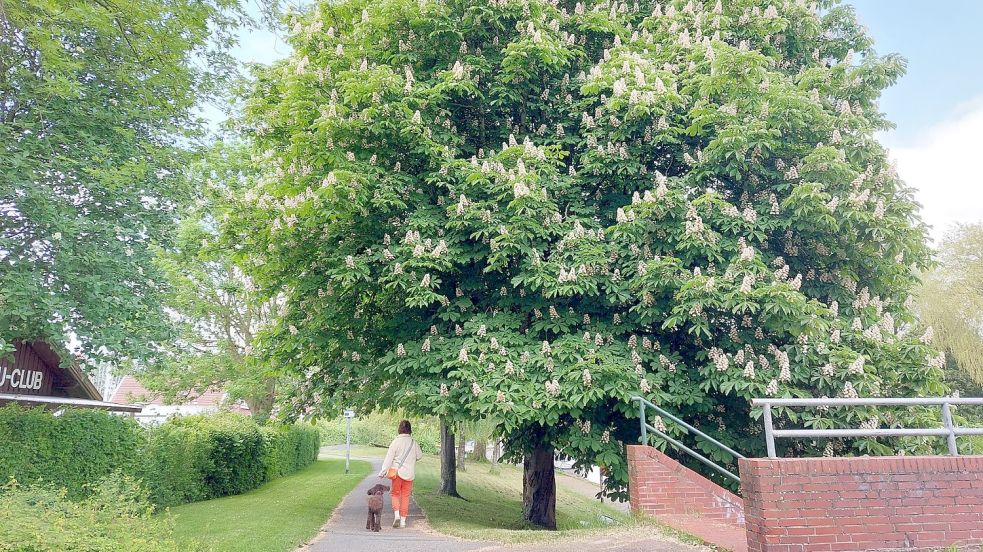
74,449
287,449
173,461
183,460
200,457
234,453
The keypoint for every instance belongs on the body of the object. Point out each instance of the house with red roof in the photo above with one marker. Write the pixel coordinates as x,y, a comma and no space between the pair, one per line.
155,410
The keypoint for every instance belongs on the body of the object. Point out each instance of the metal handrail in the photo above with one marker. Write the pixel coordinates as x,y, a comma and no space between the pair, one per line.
948,430
646,427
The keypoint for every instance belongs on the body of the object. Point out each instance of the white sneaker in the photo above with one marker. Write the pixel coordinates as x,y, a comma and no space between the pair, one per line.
397,521
402,523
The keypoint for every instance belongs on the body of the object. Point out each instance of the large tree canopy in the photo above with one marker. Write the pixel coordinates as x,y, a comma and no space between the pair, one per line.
95,98
531,210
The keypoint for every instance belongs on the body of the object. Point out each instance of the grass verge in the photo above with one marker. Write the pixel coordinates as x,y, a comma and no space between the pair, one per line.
280,515
358,451
492,509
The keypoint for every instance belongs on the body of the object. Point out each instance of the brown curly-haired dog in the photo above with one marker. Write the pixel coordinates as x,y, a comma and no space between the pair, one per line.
374,521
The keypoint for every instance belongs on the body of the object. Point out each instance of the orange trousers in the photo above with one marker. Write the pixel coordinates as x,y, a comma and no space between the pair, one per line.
400,495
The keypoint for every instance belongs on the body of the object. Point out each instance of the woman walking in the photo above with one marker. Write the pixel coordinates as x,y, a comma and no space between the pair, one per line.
400,466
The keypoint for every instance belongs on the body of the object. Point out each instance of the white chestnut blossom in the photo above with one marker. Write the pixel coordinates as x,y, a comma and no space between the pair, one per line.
659,424
857,366
749,370
747,283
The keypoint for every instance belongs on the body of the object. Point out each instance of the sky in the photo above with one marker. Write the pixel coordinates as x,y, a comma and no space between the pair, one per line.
937,106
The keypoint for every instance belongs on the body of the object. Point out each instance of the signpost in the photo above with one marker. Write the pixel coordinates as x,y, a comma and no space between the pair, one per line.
349,414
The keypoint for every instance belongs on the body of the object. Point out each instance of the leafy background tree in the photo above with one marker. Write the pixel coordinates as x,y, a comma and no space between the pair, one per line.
950,301
209,299
97,108
530,211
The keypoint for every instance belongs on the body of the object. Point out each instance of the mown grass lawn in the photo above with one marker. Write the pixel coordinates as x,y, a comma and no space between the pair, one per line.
358,451
492,509
279,516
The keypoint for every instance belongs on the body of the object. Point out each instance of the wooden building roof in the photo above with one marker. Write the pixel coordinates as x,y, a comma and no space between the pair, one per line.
35,375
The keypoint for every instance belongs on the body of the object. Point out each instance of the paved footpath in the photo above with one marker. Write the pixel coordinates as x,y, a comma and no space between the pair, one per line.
345,531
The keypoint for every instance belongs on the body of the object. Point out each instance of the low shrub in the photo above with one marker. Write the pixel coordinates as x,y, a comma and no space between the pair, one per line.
70,450
116,517
378,429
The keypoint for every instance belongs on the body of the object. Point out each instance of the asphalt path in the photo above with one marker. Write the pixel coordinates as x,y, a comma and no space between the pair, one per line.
345,530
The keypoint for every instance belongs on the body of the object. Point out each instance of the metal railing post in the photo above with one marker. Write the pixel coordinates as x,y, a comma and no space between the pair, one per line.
646,429
947,423
769,435
950,430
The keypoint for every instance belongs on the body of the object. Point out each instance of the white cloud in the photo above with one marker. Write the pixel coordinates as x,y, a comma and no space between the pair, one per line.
945,166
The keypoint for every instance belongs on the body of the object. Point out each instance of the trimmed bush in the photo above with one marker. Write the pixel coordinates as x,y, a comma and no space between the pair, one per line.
173,461
234,451
71,450
116,517
208,456
183,460
287,449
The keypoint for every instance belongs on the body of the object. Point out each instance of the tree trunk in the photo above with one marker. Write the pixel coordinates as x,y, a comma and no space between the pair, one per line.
448,467
539,487
496,456
261,404
461,442
480,450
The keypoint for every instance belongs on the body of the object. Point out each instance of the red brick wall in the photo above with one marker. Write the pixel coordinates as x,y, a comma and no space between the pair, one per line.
866,503
659,485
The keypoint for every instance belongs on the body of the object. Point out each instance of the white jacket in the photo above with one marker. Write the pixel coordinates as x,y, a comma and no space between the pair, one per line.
397,449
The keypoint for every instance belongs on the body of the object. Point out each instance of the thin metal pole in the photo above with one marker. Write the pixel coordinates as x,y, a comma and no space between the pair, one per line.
641,419
769,436
947,423
348,443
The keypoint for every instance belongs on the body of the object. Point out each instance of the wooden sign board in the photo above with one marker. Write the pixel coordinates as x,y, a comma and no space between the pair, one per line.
25,374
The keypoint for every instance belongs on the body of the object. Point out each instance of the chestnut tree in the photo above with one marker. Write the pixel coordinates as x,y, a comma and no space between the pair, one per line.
532,210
